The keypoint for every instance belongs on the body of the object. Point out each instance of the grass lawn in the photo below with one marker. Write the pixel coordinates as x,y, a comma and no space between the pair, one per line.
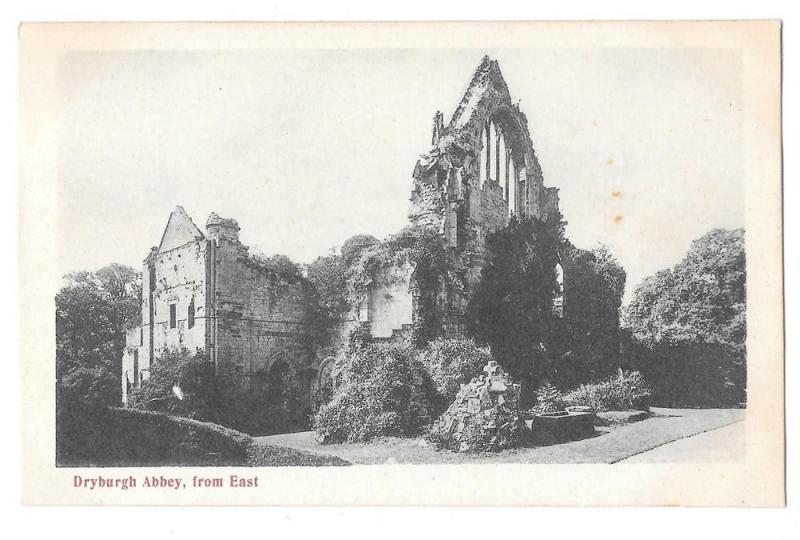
609,445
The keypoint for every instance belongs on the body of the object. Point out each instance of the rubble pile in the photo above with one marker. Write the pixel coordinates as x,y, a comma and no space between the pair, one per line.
483,417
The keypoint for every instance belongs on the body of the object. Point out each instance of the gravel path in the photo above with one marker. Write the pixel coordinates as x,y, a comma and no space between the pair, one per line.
723,444
611,446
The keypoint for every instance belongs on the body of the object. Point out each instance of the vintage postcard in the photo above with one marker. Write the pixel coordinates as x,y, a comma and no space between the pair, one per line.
401,263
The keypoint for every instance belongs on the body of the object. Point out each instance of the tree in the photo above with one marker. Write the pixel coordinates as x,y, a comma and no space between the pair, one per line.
279,265
92,311
594,283
353,246
328,274
689,323
512,307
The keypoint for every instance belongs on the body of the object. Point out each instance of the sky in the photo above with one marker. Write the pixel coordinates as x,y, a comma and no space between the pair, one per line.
305,148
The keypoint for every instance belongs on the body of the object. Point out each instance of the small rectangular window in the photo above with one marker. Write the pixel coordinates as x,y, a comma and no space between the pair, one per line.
190,315
173,319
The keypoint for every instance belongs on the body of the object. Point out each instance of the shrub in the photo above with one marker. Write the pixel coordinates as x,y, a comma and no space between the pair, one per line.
181,383
548,399
129,437
451,362
380,390
696,375
626,390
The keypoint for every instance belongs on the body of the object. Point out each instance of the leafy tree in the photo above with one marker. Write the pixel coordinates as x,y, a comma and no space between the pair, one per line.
280,265
688,323
512,307
328,274
587,341
92,311
355,245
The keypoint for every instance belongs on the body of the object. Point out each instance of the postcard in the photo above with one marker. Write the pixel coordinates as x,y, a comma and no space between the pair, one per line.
521,263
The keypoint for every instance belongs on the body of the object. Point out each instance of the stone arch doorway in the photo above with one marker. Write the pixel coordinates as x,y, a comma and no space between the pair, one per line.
324,383
278,382
274,384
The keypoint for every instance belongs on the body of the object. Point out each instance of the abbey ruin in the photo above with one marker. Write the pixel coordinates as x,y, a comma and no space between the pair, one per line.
204,290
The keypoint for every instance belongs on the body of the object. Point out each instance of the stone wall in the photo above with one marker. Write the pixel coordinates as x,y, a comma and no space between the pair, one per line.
173,280
210,294
452,196
391,302
180,287
260,321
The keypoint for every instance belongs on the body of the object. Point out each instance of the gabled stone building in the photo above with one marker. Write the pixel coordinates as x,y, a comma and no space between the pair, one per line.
204,291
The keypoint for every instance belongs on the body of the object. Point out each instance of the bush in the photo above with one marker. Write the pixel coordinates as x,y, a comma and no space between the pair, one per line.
129,437
548,399
451,362
691,375
380,390
181,383
626,390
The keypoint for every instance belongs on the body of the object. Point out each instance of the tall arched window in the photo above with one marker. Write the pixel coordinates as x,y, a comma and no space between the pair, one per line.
502,160
558,301
511,186
494,137
496,163
484,158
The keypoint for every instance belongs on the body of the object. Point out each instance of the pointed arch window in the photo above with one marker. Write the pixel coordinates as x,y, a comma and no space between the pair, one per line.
485,161
511,185
558,300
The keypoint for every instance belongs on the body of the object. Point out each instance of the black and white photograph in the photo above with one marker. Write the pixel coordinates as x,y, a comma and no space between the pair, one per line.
330,255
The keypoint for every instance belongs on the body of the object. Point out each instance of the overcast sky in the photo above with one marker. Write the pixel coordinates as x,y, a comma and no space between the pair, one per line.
306,148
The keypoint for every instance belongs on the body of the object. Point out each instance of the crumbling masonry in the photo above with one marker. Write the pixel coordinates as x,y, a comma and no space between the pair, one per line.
204,291
480,171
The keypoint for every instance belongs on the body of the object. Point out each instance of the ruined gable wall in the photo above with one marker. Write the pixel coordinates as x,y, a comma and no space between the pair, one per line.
177,277
448,194
260,318
180,280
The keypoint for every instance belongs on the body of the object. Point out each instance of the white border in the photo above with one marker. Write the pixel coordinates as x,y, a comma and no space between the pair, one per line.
582,522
